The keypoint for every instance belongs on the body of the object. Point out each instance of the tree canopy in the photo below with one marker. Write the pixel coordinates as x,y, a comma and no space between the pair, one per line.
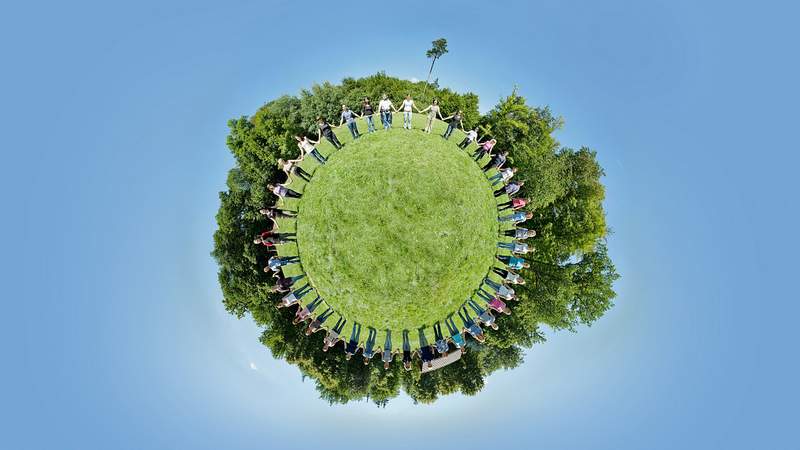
569,281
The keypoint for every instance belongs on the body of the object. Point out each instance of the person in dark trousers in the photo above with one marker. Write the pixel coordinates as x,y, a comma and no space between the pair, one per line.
334,334
350,117
276,262
282,191
500,289
455,334
493,302
308,147
484,148
291,168
472,135
425,350
272,234
274,214
304,313
441,342
484,316
324,129
406,351
366,113
514,204
284,284
510,189
316,324
508,275
385,107
520,233
496,162
513,262
369,346
388,353
470,326
453,122
352,345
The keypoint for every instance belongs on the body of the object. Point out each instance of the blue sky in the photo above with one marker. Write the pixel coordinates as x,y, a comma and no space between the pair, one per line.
114,122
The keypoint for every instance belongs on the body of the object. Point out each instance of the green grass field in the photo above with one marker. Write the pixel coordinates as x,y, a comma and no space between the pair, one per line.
396,231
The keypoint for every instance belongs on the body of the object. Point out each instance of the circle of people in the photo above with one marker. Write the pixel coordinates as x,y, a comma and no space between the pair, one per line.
477,310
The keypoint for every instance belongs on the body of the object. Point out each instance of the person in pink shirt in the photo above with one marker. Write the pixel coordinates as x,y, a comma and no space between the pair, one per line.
514,203
484,148
493,302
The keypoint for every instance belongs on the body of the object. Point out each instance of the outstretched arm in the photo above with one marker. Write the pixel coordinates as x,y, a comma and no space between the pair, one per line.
422,111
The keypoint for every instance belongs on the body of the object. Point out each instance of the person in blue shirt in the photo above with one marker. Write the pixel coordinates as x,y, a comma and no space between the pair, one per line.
513,262
350,117
334,334
352,345
485,316
517,217
425,350
470,326
406,351
510,189
369,347
441,342
455,334
316,324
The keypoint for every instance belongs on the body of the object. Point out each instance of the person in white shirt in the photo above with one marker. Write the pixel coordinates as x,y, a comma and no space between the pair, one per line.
503,176
408,111
472,136
385,107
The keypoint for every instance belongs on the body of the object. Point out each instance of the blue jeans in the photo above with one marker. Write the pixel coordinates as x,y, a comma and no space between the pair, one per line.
353,129
407,119
496,178
506,245
318,156
449,130
386,119
370,124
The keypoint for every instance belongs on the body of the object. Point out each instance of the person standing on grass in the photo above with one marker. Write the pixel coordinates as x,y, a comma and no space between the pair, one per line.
517,217
508,276
516,247
295,296
291,167
484,148
520,234
282,191
333,336
441,342
369,346
366,113
509,189
472,135
276,262
388,354
425,350
408,111
514,203
274,214
433,111
352,345
484,316
500,289
307,147
453,122
350,117
455,334
493,302
325,129
503,176
512,262
470,326
385,107
316,324
303,313
497,161
406,351
284,284
269,233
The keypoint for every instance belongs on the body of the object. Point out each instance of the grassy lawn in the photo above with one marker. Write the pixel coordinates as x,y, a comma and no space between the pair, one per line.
396,231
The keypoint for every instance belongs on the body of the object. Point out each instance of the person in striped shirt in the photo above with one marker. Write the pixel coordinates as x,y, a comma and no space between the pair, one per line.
520,233
441,342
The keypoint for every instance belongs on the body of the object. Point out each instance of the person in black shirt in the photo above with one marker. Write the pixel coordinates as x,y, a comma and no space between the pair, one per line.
326,130
454,122
274,214
425,350
406,351
352,346
366,113
497,161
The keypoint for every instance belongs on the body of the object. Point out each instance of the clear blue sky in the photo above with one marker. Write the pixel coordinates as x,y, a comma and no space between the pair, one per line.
114,123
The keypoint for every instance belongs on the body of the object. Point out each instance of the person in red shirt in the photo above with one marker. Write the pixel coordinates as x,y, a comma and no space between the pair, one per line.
270,238
514,203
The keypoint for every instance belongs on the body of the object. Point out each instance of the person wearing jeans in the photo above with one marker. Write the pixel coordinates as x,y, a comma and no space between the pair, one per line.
517,217
303,313
441,342
513,262
520,233
369,346
502,176
350,117
387,355
454,122
276,262
352,345
316,324
406,351
386,107
471,136
455,334
282,191
366,113
510,189
408,111
307,147
333,336
324,129
470,326
484,316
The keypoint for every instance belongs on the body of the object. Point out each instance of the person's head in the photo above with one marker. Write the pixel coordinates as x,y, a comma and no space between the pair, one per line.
493,141
386,365
266,269
506,310
435,101
308,330
298,138
257,240
531,233
270,186
281,162
263,211
325,347
348,355
408,96
481,337
430,364
521,183
366,361
514,170
520,281
366,99
384,97
529,215
458,112
505,153
407,365
321,120
526,265
345,108
493,325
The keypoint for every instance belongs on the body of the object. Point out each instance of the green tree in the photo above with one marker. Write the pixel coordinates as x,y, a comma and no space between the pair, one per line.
437,50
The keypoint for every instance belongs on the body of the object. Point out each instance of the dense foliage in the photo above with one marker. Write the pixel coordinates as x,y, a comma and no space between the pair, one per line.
569,281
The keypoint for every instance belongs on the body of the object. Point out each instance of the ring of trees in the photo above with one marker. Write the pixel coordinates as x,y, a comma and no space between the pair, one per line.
569,281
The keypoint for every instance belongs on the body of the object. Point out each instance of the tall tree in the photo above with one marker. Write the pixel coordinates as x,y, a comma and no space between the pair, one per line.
438,49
